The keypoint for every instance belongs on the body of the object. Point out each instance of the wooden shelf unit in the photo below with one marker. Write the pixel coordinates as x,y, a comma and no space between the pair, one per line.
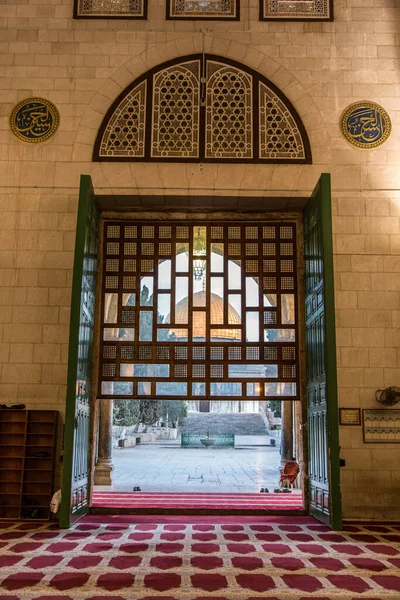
26,480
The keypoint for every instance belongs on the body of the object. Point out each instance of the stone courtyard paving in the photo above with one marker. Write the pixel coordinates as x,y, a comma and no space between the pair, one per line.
170,468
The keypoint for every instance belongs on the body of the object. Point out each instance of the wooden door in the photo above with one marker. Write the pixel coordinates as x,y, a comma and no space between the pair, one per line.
76,435
322,404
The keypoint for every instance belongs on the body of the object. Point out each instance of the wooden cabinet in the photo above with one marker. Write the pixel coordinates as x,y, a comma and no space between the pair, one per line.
27,458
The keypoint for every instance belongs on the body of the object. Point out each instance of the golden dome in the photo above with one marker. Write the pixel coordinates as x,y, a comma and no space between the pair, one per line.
217,317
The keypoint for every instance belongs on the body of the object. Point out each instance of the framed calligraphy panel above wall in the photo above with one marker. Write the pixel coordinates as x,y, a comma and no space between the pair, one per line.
296,10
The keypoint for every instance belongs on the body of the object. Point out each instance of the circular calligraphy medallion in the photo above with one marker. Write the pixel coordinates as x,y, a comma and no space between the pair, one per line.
34,120
365,124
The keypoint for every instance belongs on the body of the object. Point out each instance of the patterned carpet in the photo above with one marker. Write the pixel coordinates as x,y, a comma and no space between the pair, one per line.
198,558
179,501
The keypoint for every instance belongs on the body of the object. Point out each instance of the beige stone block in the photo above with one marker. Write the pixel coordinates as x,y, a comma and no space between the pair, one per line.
47,353
379,225
352,318
22,333
391,376
8,393
4,352
5,314
21,353
394,206
379,300
369,480
350,376
30,259
21,373
377,207
346,225
359,459
345,299
391,264
349,244
64,315
53,334
37,296
395,318
355,281
380,318
373,378
367,264
354,357
8,240
368,337
54,374
350,206
341,263
383,357
6,296
348,396
385,458
35,314
27,277
392,337
7,277
59,260
377,244
49,240
385,281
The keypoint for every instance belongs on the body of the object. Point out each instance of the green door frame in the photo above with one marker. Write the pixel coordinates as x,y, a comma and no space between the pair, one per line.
322,401
74,501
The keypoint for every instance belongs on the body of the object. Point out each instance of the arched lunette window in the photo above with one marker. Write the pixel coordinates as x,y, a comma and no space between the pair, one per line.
202,108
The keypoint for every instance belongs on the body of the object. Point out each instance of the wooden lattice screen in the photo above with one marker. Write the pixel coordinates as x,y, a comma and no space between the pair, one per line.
199,311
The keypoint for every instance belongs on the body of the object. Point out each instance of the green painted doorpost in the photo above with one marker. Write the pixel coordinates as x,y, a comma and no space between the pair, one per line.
76,435
322,402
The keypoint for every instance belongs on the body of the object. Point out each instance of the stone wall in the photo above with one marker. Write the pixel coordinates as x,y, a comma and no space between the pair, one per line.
82,66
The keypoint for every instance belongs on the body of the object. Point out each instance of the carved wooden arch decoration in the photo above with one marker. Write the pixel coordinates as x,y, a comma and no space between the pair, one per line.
202,108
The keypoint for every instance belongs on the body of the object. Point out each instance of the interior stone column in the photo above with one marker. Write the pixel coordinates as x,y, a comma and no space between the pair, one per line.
286,432
104,466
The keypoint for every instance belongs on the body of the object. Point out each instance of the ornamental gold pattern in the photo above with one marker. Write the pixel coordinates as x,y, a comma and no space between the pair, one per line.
34,120
365,125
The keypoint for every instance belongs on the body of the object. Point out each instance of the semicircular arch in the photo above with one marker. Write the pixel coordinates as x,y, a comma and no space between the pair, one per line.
202,108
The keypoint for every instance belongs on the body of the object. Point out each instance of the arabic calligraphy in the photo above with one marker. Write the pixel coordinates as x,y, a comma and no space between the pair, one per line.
34,120
365,124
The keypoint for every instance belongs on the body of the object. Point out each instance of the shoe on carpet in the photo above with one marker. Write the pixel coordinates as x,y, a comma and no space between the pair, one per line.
266,491
277,491
262,490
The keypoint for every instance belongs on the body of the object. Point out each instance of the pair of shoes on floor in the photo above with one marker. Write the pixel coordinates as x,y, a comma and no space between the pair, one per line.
13,407
137,489
286,491
264,491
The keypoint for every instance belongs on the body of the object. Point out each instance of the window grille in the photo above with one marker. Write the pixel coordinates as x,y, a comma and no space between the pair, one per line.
225,331
202,109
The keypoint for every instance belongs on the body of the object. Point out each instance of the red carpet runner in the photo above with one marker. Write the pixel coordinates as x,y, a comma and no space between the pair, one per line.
193,501
261,559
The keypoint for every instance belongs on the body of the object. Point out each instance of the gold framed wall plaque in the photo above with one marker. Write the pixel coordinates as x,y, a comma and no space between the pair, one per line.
34,120
350,416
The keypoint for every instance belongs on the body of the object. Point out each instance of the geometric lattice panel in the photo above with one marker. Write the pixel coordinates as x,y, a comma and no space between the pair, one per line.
297,10
124,134
202,108
176,107
117,9
199,311
279,133
228,112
